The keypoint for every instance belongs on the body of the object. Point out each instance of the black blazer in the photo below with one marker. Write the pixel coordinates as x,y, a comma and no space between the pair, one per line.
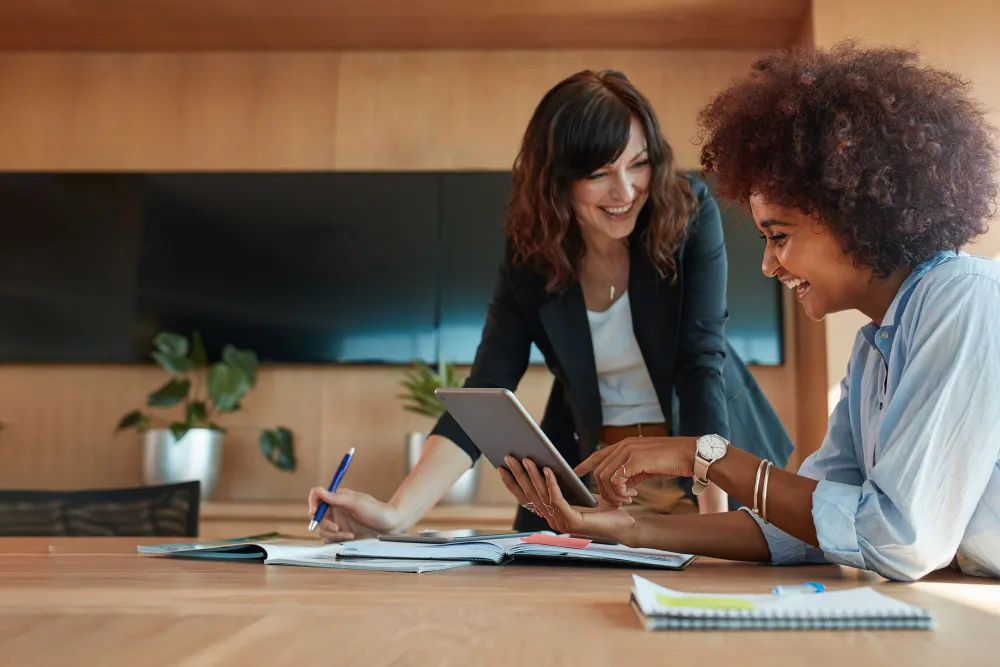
700,381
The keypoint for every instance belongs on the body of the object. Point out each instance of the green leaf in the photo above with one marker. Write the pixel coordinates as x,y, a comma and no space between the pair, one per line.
268,444
196,412
278,448
172,364
216,427
130,420
179,429
242,359
171,393
171,344
226,386
199,357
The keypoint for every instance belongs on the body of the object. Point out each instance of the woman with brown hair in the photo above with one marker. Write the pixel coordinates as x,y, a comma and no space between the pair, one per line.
616,270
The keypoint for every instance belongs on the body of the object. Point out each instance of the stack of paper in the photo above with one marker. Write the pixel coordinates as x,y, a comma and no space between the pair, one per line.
503,550
660,608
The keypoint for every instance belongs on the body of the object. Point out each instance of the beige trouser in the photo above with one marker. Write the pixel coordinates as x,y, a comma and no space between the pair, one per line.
656,496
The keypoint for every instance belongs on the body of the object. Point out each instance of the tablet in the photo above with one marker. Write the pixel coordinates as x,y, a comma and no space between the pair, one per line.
500,426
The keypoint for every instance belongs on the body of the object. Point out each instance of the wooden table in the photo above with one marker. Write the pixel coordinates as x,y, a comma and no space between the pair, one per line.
96,602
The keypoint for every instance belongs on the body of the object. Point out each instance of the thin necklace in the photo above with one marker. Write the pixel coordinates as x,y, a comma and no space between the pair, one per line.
611,279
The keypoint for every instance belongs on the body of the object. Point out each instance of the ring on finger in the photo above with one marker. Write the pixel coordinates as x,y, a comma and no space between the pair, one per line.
624,474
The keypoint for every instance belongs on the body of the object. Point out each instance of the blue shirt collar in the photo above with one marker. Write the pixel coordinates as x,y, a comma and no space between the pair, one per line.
881,337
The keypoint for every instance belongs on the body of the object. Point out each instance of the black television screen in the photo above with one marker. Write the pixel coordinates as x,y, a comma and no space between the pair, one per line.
300,267
325,267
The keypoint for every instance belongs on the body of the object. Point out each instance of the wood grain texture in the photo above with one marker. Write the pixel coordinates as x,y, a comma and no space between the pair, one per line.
417,24
219,111
108,608
316,111
468,110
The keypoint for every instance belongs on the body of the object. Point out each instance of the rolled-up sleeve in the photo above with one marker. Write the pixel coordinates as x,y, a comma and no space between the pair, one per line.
937,444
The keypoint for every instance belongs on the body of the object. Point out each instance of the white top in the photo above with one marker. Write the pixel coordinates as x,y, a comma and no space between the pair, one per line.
627,394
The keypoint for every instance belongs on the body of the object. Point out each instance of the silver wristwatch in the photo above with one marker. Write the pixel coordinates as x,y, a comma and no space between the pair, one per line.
710,449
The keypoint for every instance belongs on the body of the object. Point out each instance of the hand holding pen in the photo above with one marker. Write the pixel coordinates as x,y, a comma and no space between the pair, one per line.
339,514
339,475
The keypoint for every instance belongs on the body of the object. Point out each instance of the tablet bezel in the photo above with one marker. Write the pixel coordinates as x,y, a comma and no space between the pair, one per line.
480,410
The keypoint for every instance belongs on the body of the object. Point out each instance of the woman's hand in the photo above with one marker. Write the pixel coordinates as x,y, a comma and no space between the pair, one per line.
353,515
619,468
529,485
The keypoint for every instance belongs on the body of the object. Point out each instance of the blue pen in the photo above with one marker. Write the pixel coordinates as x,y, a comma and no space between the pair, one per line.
321,510
808,587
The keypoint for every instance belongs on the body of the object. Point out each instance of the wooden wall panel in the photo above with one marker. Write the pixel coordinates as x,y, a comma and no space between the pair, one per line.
294,111
468,110
222,111
302,111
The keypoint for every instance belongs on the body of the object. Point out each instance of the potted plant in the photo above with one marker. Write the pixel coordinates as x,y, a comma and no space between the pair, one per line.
189,447
420,383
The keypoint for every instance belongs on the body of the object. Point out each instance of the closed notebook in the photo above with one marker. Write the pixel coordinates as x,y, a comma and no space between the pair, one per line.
660,608
274,549
503,550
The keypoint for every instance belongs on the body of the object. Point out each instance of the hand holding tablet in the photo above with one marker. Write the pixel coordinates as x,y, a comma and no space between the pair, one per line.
500,426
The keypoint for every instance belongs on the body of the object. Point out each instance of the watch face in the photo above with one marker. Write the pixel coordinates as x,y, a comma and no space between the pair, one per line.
711,447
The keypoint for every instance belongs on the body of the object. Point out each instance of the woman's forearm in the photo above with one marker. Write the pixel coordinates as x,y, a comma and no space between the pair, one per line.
729,535
789,496
441,464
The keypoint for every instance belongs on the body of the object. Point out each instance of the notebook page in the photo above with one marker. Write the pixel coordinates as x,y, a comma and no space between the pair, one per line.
487,550
652,599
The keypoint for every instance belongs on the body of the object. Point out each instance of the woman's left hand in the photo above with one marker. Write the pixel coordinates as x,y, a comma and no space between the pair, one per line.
530,485
619,468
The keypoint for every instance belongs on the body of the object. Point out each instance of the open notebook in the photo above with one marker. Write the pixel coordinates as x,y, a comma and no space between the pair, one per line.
274,549
660,608
503,550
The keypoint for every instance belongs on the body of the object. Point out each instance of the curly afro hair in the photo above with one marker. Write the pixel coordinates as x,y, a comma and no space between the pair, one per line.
897,159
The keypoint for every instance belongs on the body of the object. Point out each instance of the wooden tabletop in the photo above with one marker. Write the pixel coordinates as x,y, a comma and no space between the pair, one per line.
97,602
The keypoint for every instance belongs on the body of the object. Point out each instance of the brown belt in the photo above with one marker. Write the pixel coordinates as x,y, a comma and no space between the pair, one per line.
611,435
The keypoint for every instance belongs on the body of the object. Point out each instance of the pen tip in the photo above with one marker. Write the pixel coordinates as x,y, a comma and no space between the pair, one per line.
351,451
312,526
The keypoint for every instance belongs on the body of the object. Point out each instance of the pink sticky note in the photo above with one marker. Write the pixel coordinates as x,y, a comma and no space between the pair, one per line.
557,541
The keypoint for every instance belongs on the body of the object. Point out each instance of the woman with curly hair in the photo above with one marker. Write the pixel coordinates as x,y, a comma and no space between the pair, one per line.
615,269
866,174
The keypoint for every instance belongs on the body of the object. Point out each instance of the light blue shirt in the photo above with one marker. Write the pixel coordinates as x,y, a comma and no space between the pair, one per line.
908,473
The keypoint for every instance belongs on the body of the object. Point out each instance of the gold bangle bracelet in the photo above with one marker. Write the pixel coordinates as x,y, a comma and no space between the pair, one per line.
767,476
756,487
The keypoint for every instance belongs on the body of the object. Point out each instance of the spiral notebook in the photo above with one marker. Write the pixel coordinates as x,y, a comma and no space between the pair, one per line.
660,608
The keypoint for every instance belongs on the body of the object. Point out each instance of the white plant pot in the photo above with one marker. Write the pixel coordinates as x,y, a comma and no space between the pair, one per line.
197,456
463,492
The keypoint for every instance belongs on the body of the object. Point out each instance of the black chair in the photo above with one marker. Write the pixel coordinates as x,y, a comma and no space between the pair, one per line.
169,510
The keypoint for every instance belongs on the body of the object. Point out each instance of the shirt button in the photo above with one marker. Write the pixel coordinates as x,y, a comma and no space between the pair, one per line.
884,335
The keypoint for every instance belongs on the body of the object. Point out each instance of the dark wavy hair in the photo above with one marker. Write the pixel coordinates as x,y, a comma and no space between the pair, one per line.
581,125
897,159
